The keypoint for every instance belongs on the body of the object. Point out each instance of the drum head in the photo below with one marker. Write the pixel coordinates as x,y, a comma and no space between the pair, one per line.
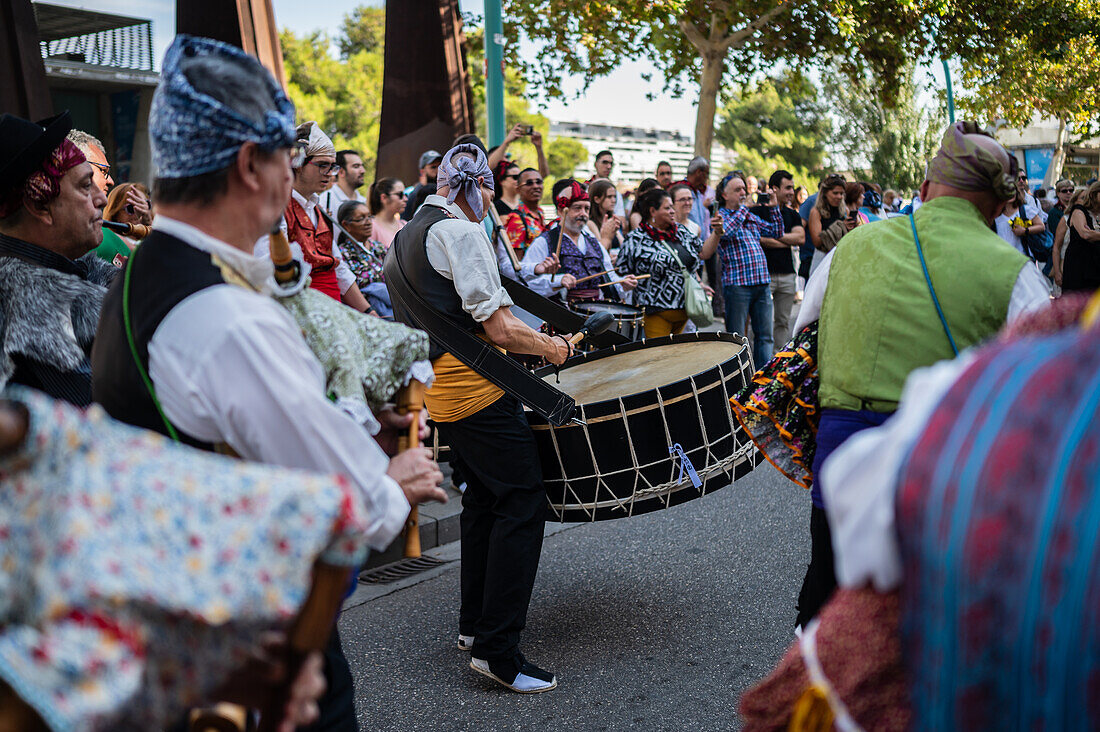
623,372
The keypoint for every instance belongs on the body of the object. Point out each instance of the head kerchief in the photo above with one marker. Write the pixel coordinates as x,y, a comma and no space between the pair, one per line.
969,163
461,175
193,133
317,142
570,194
44,184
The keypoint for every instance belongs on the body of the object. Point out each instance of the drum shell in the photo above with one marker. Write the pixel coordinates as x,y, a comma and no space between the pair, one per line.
618,463
629,320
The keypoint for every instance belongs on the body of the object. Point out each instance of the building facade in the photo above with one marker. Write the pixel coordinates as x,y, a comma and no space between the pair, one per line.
637,151
99,66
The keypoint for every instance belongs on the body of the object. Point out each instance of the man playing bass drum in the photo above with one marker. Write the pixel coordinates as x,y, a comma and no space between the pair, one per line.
445,259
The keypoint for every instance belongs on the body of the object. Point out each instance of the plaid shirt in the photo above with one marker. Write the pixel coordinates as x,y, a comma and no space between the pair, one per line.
743,261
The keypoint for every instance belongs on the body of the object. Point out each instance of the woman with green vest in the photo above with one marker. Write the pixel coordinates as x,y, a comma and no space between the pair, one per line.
904,293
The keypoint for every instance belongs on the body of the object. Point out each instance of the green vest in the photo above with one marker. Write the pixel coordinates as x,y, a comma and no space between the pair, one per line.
878,322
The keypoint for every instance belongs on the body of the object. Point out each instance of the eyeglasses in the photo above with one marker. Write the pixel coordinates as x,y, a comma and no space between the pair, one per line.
682,199
326,168
532,182
105,169
835,178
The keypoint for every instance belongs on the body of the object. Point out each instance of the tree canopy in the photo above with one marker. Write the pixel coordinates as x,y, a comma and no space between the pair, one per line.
777,123
342,93
696,41
889,144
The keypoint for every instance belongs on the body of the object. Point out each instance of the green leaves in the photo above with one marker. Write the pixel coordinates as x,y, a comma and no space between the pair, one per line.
343,94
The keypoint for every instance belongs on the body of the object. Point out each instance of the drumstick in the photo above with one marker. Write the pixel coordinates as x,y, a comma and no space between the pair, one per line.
561,231
594,276
619,282
507,239
559,285
410,400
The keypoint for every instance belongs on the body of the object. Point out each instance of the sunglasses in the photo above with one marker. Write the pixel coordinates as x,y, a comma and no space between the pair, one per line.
532,182
1065,190
513,176
1021,177
399,194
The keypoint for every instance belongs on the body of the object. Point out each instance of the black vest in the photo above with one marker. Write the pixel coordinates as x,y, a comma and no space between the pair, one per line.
410,248
165,272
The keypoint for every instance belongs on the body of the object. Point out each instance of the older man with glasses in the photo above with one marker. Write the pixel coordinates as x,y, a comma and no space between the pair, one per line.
526,223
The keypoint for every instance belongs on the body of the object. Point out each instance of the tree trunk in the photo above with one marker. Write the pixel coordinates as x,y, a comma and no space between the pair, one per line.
710,81
1054,172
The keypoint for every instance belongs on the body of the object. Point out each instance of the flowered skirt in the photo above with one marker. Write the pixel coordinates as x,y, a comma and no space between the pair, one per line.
779,409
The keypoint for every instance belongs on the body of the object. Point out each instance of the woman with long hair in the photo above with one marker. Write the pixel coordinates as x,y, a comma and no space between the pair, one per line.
1081,268
1061,238
662,249
828,212
387,201
602,221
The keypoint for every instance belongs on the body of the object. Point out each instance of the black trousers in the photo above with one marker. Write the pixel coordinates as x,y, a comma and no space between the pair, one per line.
820,580
338,703
503,513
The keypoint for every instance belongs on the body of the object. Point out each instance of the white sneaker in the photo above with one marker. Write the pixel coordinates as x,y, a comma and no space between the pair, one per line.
530,680
465,642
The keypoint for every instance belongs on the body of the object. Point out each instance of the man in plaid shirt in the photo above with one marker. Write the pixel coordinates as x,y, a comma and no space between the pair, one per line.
745,280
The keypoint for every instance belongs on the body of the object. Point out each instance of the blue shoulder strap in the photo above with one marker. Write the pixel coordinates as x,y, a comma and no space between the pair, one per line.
932,290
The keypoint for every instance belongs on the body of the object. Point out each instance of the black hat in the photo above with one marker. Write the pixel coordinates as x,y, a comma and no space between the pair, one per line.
24,145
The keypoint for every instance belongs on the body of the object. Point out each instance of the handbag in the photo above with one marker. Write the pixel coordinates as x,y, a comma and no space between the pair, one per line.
696,303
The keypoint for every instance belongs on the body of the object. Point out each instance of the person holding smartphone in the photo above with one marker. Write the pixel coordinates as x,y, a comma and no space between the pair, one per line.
497,154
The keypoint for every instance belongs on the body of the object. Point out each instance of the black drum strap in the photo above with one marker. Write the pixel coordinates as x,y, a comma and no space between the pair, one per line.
554,406
562,318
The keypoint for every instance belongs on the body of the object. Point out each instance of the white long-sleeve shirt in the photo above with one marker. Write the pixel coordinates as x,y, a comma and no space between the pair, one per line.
230,365
540,250
344,276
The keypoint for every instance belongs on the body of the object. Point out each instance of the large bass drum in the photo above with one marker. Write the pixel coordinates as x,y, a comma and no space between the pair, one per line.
658,429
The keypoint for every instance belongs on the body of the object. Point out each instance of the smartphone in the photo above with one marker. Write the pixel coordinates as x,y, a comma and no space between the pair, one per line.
713,208
130,208
527,129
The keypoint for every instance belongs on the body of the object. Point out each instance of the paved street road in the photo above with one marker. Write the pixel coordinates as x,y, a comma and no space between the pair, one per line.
654,623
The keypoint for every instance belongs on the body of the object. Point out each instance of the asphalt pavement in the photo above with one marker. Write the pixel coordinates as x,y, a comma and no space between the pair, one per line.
657,622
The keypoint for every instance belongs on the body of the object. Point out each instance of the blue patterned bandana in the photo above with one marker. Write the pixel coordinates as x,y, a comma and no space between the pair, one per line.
461,176
193,133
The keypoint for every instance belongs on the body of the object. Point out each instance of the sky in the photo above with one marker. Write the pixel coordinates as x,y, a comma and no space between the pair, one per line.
619,99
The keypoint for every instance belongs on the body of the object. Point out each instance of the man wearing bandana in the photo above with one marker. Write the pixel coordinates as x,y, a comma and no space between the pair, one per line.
306,224
878,316
51,286
447,258
191,344
581,254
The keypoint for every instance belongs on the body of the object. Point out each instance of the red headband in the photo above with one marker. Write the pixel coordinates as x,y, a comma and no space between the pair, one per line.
568,196
44,184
